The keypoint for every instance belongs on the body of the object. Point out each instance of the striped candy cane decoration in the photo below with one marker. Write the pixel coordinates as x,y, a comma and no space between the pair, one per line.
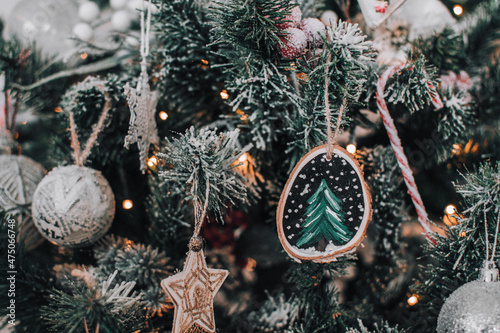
398,148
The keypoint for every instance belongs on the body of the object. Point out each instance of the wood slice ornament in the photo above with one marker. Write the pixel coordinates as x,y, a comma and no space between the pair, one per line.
325,207
377,11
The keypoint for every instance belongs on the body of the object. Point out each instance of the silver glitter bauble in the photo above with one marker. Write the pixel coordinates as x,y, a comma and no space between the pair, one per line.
472,308
19,177
73,206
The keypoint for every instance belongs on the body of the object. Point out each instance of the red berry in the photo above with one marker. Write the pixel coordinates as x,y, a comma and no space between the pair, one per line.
292,20
293,43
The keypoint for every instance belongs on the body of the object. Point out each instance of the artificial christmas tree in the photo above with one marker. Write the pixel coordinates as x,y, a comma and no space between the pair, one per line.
238,93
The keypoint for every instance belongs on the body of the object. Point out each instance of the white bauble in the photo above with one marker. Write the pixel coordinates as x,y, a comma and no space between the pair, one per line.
472,308
121,20
19,177
46,22
118,4
73,206
89,11
329,17
83,31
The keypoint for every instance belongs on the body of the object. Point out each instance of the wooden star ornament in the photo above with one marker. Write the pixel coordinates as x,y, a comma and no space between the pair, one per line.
192,291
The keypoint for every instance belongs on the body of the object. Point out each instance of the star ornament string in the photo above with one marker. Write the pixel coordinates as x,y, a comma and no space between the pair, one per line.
192,291
142,101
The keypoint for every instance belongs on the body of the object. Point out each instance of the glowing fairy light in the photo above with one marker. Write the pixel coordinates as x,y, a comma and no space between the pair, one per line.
224,94
412,300
152,162
351,148
163,115
450,209
458,10
127,204
243,158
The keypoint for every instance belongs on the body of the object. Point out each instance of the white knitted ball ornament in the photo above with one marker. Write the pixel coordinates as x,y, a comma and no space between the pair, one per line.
19,177
73,206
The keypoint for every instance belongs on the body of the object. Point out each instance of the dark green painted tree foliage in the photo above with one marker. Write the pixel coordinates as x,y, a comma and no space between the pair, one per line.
324,218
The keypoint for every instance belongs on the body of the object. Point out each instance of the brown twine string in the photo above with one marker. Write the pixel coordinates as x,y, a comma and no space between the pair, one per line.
200,212
79,156
331,137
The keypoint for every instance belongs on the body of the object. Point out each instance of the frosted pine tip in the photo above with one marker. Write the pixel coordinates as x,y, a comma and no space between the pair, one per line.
195,244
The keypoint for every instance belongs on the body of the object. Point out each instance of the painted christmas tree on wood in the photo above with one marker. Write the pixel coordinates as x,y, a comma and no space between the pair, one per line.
324,218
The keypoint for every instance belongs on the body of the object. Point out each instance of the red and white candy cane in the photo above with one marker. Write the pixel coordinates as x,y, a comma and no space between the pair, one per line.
398,148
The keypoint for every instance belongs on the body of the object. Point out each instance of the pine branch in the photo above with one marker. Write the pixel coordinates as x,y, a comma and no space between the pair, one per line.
188,77
250,24
198,159
444,50
108,307
412,86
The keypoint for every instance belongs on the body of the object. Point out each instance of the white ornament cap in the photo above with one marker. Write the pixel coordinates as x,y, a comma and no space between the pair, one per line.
489,273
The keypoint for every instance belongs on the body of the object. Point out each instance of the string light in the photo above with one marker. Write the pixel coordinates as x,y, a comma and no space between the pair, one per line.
351,148
412,300
205,62
450,217
243,115
450,209
251,264
243,158
458,10
163,115
84,56
128,204
152,162
224,94
58,109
